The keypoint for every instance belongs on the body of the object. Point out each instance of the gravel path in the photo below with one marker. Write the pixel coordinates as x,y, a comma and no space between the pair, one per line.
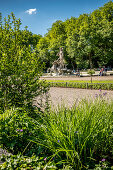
78,78
68,96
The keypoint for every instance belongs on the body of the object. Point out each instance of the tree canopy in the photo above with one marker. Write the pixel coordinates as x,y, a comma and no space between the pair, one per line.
87,40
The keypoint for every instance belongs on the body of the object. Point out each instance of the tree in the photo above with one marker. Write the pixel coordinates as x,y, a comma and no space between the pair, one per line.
43,52
91,72
102,20
20,67
56,37
72,41
87,40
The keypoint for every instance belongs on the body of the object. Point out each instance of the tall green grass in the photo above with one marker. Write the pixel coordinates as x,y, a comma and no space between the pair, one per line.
81,136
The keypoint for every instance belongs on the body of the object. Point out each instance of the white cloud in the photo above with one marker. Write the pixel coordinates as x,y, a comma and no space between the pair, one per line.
31,11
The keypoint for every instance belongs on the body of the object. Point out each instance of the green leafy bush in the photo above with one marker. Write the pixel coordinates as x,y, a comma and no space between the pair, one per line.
91,72
17,129
23,162
20,67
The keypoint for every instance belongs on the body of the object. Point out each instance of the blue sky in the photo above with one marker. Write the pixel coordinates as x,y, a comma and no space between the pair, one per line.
39,15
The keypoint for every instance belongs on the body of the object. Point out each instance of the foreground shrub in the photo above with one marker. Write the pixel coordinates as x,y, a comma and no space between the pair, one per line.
17,129
24,162
80,137
20,67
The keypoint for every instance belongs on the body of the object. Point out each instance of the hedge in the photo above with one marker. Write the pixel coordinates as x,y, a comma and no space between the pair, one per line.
103,86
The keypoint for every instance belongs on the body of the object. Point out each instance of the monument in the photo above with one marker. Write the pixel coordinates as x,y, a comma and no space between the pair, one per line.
59,66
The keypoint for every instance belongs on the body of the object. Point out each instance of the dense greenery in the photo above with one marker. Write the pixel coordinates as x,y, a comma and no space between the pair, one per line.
66,138
78,138
20,66
87,40
23,162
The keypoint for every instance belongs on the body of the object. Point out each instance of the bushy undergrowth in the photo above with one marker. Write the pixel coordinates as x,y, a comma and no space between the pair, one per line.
20,162
77,138
16,128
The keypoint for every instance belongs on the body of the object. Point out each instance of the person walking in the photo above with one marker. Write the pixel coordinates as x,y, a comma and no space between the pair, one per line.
102,70
100,74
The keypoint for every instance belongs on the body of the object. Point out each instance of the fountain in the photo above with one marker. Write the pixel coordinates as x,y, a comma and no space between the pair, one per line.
59,67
